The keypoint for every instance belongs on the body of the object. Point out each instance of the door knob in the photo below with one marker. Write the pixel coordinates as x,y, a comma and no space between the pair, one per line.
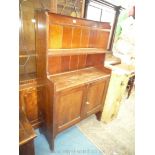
87,102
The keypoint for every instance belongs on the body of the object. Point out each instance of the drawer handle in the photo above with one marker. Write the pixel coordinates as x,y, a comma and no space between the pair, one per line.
87,102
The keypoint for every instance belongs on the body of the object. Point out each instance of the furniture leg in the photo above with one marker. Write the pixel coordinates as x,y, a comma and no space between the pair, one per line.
98,115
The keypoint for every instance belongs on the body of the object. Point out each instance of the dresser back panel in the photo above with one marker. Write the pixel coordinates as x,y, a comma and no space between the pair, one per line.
69,32
58,64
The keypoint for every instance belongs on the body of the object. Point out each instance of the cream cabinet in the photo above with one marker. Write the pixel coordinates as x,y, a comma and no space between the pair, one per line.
116,91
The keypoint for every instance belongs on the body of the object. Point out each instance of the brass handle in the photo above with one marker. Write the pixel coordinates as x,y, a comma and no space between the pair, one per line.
87,102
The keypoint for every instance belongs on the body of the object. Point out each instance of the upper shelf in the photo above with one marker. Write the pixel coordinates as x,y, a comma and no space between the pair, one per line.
75,51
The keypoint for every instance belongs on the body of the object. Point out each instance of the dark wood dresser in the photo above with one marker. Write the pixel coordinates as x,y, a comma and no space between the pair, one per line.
70,58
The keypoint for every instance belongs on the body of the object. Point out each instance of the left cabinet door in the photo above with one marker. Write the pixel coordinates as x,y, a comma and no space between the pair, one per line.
68,107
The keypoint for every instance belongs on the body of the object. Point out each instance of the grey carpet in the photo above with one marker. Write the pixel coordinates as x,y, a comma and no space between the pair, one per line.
116,137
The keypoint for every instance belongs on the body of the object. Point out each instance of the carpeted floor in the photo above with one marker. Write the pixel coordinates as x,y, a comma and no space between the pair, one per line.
70,142
116,137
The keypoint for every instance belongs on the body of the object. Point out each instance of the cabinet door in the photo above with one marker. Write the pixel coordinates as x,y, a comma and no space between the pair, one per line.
68,107
96,93
31,99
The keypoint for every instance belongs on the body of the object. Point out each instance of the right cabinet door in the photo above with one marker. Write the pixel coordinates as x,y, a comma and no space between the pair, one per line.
96,92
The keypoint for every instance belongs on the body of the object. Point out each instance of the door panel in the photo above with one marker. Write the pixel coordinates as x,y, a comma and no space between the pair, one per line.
95,95
31,100
69,107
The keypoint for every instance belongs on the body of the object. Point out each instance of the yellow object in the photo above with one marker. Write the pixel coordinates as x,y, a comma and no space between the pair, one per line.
117,86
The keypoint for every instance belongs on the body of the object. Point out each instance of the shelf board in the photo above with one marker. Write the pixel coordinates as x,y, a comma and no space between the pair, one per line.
75,51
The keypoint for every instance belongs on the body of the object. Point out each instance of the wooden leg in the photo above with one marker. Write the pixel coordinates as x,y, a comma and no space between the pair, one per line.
49,137
52,145
50,140
98,115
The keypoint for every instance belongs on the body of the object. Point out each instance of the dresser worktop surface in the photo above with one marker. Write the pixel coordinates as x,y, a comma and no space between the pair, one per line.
74,78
